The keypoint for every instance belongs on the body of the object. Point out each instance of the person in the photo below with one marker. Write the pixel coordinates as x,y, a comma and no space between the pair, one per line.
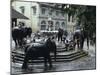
82,40
76,38
87,42
71,45
66,44
34,40
60,34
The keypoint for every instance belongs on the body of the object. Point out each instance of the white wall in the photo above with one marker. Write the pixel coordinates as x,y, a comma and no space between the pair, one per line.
33,19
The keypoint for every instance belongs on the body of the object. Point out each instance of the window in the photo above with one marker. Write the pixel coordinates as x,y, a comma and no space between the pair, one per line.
57,13
34,9
63,25
21,23
43,10
43,22
63,14
57,25
51,25
43,25
22,9
50,12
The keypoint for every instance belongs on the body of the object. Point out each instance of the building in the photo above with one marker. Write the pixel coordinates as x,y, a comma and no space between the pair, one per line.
43,16
16,15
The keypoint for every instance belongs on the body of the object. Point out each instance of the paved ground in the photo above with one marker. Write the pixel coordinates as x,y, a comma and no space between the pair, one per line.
84,63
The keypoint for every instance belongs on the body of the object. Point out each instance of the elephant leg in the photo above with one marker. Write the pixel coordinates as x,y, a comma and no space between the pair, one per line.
58,38
88,43
55,55
19,43
49,60
25,63
45,62
61,38
81,45
15,42
78,44
74,45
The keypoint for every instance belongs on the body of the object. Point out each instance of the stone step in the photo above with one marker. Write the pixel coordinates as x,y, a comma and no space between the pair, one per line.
63,54
58,60
69,57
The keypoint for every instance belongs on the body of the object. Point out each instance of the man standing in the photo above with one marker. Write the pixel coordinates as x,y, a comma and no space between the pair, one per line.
82,40
60,34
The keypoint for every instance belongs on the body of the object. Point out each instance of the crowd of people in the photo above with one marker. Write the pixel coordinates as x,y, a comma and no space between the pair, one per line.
71,40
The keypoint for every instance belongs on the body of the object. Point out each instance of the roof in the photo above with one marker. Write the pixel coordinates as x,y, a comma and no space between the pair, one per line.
51,5
18,15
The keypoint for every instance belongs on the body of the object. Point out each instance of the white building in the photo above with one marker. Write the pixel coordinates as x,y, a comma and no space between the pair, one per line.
43,16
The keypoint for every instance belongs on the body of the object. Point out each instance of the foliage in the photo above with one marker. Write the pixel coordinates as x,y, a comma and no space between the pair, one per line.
86,17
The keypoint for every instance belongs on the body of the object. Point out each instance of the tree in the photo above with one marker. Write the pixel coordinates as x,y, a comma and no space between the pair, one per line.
86,18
